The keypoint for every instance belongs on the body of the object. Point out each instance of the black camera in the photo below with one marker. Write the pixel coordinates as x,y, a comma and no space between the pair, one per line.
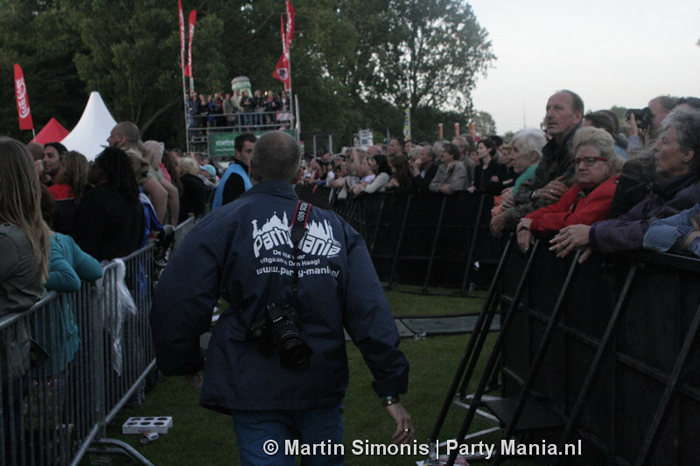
279,328
642,116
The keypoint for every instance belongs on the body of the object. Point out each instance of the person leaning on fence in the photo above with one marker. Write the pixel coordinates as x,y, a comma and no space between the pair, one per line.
24,248
677,162
244,253
24,266
451,175
554,174
68,265
424,168
589,199
527,149
378,166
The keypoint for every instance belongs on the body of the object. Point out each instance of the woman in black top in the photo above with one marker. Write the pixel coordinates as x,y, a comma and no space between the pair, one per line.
487,167
109,222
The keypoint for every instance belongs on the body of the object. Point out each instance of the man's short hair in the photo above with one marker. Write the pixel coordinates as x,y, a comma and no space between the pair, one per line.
577,101
452,150
276,156
241,139
692,102
601,119
401,142
130,132
667,102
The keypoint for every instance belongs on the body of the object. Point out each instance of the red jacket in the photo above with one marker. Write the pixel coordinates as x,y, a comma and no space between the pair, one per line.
574,209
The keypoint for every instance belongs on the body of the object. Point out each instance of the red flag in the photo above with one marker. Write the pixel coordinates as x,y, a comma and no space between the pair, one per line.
23,111
182,33
282,69
192,19
290,25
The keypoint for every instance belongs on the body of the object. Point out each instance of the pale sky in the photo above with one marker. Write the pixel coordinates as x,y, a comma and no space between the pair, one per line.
610,52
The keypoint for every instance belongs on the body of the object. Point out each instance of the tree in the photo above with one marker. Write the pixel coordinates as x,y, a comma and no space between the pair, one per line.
484,124
434,54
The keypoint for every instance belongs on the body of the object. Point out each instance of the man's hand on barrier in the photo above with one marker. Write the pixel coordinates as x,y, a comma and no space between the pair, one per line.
405,432
507,198
498,223
569,239
585,255
525,238
195,380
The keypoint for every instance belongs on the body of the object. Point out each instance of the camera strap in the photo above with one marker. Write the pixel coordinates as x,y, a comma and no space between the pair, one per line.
301,215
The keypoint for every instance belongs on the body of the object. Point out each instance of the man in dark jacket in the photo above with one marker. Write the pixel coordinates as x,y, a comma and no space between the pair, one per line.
555,173
252,254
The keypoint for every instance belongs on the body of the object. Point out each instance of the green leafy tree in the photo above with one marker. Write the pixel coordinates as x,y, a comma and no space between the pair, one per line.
434,54
484,125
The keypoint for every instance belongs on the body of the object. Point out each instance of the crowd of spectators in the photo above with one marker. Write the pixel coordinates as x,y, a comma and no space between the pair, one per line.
588,181
585,182
239,110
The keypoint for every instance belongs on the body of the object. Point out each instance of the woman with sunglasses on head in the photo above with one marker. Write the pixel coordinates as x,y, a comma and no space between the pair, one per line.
590,198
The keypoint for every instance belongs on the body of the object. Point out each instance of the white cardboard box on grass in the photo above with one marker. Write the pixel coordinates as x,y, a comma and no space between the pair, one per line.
138,425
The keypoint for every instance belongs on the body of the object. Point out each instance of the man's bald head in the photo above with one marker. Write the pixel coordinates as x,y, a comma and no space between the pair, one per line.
275,157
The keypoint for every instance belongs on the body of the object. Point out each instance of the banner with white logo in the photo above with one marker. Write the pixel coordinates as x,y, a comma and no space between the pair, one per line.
23,111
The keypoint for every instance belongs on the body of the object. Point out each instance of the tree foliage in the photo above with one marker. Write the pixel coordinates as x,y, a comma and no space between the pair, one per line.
355,63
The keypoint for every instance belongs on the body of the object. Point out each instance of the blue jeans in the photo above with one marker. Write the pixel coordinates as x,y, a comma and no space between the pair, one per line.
257,430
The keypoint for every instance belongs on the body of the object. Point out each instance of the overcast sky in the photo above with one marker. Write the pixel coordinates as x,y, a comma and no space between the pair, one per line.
611,52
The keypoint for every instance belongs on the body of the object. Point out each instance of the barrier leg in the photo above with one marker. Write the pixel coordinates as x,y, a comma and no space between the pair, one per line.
434,246
399,242
471,355
495,354
117,447
539,356
669,395
594,371
472,246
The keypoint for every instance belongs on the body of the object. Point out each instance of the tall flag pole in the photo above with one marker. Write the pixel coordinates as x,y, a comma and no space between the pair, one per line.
181,18
188,68
24,112
283,68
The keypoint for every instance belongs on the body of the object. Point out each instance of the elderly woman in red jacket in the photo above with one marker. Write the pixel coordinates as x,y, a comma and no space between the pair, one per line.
589,199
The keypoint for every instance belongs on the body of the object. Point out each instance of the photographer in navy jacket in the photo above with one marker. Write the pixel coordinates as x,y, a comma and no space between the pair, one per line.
288,383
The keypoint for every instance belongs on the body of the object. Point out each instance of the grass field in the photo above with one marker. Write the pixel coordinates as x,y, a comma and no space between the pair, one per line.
203,437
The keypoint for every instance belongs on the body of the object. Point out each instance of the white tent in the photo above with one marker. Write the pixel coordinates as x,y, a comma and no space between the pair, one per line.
90,134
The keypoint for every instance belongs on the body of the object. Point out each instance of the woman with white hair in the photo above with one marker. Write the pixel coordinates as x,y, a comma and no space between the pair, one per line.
590,198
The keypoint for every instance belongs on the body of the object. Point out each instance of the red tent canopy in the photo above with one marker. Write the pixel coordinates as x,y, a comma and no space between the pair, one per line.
52,132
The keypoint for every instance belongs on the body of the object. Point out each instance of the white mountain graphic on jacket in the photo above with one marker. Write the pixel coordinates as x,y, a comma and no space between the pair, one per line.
318,240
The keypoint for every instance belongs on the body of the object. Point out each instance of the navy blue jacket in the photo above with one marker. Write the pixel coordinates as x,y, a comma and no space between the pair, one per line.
242,252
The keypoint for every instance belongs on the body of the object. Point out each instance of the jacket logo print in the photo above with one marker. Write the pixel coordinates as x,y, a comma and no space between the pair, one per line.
318,240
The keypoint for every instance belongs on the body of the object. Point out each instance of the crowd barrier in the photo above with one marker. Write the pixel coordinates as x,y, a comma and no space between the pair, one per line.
420,238
603,352
59,410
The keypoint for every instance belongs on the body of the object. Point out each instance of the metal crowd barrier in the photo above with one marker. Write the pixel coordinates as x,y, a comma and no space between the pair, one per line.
421,238
59,409
604,353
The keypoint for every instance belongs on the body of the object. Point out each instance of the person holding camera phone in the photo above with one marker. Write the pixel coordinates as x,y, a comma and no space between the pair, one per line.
294,276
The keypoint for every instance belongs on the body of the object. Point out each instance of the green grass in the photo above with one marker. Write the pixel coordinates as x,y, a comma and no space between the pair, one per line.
408,300
203,437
